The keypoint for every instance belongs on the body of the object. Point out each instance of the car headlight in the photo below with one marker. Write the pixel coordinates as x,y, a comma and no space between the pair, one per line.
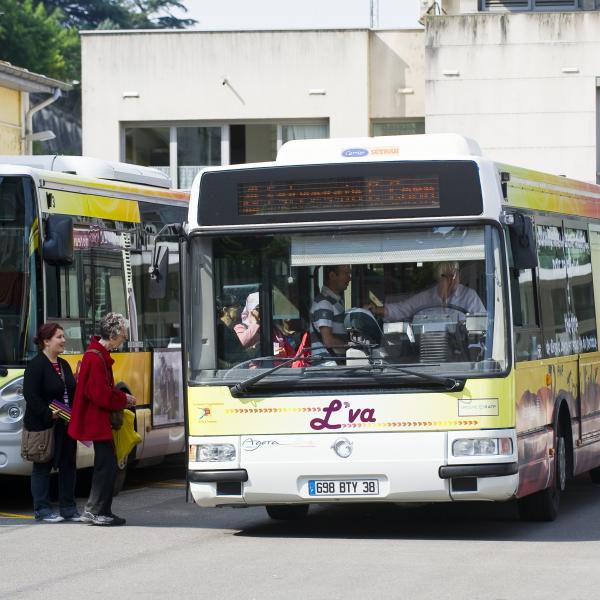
482,447
212,453
12,404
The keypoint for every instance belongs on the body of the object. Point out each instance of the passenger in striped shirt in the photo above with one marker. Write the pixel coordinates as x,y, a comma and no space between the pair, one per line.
328,335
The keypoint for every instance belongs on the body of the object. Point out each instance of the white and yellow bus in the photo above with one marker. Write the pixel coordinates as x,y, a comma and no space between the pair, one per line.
77,238
496,399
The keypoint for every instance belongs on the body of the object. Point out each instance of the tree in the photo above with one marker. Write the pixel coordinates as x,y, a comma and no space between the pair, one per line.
32,38
120,14
43,35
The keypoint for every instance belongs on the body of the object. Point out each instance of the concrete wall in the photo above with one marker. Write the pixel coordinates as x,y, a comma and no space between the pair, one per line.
397,67
10,121
179,77
268,78
505,80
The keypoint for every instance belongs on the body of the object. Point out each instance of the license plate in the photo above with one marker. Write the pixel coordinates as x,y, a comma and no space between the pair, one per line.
343,487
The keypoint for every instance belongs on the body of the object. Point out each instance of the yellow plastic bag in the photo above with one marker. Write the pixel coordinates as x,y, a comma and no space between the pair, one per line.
125,439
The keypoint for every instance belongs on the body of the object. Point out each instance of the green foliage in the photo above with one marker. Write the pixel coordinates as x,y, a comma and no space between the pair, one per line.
120,14
34,39
43,35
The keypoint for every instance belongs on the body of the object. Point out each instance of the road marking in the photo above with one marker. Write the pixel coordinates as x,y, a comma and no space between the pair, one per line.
169,485
15,516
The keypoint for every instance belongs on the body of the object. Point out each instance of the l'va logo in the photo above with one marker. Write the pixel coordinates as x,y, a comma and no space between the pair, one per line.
364,415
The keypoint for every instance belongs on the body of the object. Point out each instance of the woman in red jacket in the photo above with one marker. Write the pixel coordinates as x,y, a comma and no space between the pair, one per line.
95,398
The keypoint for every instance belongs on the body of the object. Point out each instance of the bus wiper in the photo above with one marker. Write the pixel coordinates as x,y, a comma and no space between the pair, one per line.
3,371
448,382
242,386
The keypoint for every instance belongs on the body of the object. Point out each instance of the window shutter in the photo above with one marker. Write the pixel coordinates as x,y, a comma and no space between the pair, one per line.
506,4
555,4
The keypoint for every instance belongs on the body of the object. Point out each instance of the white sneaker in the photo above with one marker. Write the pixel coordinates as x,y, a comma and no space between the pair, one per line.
52,518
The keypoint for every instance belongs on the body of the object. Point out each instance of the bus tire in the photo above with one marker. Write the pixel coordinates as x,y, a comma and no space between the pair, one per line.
83,482
595,475
544,505
287,512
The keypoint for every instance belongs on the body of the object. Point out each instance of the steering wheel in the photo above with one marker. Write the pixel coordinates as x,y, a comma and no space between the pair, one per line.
440,306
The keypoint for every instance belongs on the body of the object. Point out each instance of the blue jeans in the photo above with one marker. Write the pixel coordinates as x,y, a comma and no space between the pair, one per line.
64,461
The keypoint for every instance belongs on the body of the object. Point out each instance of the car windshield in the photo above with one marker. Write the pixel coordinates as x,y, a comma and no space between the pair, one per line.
428,299
18,259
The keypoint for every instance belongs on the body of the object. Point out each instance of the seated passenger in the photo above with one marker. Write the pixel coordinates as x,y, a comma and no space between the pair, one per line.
447,291
328,334
229,348
286,339
248,330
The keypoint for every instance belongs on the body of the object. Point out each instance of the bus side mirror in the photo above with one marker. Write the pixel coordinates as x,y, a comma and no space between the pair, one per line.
58,243
522,241
158,270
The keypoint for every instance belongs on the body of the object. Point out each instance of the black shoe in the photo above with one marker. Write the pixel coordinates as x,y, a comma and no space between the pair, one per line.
117,520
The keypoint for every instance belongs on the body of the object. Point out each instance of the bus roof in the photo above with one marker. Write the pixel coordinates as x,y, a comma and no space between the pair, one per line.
436,146
85,166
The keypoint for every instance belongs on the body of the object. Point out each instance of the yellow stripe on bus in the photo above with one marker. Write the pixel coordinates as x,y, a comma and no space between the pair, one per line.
90,205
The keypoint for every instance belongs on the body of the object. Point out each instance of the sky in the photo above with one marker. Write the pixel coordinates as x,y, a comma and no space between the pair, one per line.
303,14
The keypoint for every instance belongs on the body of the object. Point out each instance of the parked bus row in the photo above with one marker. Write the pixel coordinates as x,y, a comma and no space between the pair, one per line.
77,239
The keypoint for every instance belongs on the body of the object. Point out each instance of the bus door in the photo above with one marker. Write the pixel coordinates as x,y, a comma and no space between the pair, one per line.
583,265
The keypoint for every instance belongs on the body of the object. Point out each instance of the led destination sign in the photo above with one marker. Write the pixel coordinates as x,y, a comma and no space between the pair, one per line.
300,194
337,194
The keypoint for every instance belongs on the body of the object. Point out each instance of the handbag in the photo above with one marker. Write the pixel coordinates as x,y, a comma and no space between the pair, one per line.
38,446
116,419
115,416
303,353
125,438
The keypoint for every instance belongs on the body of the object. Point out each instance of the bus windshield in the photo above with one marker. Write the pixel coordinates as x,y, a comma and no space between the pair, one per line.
426,300
17,257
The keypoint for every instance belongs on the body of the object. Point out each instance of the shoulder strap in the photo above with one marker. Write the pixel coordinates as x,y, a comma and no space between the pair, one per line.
99,354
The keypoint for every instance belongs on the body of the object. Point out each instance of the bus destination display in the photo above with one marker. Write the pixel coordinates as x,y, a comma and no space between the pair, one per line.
338,194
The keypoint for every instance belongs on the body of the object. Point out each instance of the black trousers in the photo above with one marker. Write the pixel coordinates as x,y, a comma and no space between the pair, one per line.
103,479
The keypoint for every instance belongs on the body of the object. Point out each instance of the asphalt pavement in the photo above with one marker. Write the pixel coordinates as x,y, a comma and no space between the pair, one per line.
170,548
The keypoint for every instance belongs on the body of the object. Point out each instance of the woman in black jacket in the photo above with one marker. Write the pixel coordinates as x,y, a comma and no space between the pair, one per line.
47,378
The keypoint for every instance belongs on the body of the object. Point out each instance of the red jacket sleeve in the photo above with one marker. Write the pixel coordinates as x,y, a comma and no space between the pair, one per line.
97,388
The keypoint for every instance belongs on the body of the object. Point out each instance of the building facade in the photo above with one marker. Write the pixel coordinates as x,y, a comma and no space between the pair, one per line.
180,100
16,114
522,77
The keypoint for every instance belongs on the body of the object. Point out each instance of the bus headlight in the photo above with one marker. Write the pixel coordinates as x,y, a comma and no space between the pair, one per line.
12,405
482,447
212,453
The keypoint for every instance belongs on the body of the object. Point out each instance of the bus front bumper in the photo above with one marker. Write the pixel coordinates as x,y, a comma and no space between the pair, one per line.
392,467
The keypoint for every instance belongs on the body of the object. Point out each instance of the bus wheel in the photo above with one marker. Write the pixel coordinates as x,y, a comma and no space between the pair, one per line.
83,482
543,505
287,512
595,475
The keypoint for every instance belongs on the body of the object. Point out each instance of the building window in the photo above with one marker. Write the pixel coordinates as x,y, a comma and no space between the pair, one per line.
148,146
304,132
403,127
182,151
197,147
194,147
538,5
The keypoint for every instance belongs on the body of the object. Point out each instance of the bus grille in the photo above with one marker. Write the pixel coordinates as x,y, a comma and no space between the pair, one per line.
433,346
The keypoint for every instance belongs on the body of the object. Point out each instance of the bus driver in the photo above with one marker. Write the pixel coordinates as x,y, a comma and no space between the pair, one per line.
447,292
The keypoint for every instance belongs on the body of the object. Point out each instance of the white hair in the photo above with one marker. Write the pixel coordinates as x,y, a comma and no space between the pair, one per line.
112,325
